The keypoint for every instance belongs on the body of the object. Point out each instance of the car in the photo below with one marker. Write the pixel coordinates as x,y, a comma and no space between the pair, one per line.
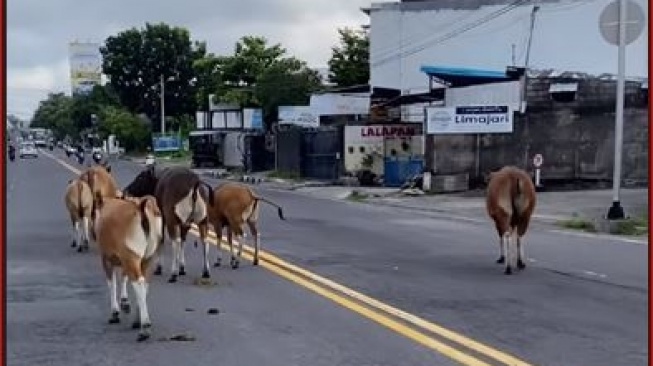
28,149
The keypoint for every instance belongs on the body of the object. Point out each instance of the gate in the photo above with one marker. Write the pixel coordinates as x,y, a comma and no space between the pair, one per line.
321,153
402,159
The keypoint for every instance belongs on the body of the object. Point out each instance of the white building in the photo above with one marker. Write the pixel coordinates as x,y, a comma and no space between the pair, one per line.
491,35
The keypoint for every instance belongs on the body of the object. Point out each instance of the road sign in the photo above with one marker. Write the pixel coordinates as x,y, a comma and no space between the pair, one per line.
538,160
609,22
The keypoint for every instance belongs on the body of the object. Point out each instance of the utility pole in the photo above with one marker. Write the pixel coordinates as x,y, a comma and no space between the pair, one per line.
163,113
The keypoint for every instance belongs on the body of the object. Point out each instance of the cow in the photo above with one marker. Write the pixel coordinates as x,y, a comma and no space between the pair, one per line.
129,233
234,205
79,204
182,202
510,202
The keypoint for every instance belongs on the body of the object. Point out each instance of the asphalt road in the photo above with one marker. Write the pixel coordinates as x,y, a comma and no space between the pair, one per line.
581,301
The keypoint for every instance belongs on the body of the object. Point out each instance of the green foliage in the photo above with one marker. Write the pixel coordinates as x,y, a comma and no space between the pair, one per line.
257,75
132,132
134,61
55,113
349,64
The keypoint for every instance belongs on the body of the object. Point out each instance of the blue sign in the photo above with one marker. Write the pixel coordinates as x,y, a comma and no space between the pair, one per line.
166,143
257,118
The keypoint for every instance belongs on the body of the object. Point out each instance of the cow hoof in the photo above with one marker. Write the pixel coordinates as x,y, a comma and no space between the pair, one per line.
217,263
73,244
255,262
182,271
124,306
521,264
143,336
206,274
508,271
136,324
173,278
158,271
80,249
115,318
234,263
501,259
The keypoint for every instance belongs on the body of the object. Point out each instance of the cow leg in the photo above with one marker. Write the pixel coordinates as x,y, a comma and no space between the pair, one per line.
75,233
86,222
231,244
507,249
124,297
257,240
133,270
111,274
182,258
159,264
521,230
522,257
176,243
502,256
203,227
217,227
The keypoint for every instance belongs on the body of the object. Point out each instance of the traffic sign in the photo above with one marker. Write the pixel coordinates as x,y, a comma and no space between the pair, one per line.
538,160
609,22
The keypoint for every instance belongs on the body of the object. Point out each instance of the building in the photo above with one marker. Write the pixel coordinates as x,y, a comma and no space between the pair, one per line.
491,35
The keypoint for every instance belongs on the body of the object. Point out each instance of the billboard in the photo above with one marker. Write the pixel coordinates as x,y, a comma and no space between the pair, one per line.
469,119
85,66
297,115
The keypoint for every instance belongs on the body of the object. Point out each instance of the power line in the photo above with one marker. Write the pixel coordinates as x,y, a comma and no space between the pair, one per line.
454,33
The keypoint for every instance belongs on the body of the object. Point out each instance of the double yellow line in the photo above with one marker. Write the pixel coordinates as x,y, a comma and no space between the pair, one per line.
453,345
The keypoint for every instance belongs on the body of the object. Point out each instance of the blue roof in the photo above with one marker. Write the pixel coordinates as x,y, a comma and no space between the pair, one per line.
459,76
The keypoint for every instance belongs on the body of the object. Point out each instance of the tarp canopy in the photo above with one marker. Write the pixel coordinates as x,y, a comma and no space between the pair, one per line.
459,77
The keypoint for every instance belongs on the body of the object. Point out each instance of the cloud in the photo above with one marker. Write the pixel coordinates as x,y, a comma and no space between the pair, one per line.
37,41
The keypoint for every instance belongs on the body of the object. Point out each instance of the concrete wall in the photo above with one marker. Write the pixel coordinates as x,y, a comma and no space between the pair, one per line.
575,138
406,36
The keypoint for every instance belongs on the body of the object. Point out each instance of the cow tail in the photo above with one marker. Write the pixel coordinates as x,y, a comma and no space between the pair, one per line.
279,209
210,189
145,223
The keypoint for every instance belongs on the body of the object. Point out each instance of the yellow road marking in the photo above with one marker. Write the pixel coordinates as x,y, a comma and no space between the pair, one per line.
294,274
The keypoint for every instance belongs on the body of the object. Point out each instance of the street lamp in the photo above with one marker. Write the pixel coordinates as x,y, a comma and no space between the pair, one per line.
163,113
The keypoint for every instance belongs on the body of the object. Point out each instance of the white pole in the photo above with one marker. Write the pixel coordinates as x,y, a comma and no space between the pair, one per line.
537,177
616,211
163,113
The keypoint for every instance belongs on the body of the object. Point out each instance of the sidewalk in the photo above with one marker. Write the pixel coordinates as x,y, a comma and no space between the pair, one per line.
581,210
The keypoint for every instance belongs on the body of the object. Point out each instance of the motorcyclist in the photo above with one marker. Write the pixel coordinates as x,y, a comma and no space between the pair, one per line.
12,151
80,153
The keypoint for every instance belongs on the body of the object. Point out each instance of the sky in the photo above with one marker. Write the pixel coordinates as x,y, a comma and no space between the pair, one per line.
38,33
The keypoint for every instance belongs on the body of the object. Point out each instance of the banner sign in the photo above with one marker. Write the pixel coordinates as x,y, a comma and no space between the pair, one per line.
85,67
469,119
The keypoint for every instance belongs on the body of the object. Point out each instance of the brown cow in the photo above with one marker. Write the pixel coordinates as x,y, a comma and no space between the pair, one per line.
182,202
79,203
234,205
129,234
510,203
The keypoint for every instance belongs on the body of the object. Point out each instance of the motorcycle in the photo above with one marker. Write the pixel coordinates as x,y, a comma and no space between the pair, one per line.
97,157
80,158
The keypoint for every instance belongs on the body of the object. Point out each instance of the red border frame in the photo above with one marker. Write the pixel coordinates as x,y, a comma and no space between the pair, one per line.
3,139
650,211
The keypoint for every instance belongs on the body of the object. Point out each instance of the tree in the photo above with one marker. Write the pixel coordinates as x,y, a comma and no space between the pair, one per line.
132,132
55,113
260,75
350,61
134,61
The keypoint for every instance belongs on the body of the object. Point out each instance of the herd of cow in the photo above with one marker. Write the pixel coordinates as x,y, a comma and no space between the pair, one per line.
129,225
